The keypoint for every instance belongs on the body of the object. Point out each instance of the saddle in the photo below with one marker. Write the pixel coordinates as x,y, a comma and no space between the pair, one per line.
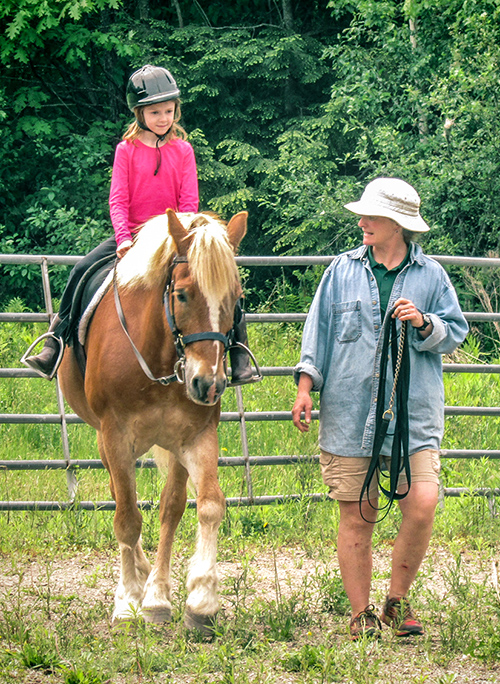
88,294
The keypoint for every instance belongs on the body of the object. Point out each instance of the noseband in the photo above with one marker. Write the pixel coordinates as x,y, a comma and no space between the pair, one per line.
180,341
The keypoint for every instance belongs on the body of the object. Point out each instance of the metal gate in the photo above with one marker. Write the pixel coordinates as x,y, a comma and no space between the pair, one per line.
71,466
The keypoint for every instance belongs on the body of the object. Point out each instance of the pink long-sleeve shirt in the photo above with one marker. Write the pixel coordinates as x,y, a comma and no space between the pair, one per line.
137,195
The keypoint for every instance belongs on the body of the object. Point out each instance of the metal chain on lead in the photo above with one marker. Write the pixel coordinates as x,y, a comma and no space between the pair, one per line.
397,370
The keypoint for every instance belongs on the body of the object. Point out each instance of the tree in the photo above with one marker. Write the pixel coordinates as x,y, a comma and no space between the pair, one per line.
291,108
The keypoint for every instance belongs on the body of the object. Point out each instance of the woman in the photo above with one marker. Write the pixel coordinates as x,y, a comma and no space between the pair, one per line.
341,358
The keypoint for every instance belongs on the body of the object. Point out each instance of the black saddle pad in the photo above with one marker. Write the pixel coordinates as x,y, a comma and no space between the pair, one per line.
91,281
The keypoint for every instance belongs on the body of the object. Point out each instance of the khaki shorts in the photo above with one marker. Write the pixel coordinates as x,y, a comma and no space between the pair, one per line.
344,475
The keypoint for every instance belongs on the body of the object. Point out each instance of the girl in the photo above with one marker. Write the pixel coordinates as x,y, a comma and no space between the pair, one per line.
154,170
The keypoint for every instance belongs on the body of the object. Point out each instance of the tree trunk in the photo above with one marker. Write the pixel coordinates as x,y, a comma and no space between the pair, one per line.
288,15
177,6
423,127
143,7
288,89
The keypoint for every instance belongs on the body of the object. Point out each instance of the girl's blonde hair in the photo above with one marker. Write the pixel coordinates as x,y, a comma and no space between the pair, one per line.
176,130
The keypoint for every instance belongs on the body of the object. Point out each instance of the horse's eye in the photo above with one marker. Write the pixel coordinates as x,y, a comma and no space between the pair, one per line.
181,296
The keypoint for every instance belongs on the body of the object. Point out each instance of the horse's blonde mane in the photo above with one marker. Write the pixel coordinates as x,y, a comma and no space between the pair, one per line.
210,255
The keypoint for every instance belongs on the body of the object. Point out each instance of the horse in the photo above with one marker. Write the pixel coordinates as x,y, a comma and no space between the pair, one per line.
155,373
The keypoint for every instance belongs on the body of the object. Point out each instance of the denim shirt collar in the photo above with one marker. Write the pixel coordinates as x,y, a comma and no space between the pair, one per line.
416,253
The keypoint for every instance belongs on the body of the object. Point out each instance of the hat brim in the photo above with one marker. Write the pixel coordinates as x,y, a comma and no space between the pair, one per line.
415,224
156,99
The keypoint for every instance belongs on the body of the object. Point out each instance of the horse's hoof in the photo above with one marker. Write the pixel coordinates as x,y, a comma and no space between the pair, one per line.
126,614
204,624
123,623
157,614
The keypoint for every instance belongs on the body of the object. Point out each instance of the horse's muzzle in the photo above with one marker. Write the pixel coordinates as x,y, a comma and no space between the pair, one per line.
206,390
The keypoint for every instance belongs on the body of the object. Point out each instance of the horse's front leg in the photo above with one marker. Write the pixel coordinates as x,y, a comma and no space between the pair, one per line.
119,459
157,606
202,583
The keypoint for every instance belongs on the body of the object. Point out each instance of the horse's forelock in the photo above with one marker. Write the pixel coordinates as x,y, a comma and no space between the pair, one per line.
211,258
210,255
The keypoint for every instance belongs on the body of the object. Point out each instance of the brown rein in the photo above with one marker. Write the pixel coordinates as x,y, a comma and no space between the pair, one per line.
180,341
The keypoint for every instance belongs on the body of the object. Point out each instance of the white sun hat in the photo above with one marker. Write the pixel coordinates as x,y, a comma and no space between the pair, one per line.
392,198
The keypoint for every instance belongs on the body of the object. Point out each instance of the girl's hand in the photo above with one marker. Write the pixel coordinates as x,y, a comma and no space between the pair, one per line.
407,311
123,248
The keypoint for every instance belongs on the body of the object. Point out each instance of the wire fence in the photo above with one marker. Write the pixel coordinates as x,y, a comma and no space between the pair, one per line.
241,416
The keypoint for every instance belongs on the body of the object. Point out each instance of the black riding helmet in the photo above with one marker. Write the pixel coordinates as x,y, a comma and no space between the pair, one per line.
151,84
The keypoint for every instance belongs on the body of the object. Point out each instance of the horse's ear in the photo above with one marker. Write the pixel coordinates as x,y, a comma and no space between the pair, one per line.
178,233
236,228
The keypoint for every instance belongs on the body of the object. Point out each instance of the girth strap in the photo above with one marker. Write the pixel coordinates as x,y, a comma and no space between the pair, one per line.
400,459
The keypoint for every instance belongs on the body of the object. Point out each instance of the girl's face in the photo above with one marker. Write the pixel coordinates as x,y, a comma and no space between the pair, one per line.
379,231
159,117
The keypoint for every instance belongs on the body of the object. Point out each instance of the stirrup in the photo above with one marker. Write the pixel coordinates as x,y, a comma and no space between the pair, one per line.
47,376
257,377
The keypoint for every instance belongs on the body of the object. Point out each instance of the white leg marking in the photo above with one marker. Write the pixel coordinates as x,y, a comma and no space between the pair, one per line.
202,580
130,589
157,591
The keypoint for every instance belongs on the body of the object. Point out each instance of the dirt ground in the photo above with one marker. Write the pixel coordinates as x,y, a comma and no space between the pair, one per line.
92,577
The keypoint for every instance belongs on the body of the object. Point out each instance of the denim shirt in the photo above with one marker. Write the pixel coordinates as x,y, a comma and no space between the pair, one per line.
342,344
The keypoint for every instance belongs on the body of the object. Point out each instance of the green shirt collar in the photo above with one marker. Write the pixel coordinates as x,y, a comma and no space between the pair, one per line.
396,269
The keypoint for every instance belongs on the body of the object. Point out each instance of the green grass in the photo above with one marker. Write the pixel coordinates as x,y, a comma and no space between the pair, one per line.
295,629
275,345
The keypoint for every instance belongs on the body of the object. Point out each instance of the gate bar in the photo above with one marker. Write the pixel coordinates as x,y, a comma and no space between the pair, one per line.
191,503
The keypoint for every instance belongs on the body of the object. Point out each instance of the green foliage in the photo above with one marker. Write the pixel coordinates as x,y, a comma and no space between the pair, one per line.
289,116
305,659
39,651
332,592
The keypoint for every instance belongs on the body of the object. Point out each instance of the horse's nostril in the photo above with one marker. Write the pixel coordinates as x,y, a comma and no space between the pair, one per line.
207,389
201,386
220,386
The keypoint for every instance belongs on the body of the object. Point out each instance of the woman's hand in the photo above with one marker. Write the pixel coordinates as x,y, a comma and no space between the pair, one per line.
123,248
303,403
407,311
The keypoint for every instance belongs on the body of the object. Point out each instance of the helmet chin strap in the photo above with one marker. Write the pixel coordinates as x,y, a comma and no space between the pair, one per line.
159,139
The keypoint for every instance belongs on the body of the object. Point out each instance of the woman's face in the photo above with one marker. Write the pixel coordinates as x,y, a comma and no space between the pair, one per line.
159,117
379,231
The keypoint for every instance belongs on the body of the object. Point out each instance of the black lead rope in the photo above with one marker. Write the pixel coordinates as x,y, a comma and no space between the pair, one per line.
400,459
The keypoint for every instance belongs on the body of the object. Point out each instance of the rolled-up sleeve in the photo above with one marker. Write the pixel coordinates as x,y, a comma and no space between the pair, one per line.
449,327
316,335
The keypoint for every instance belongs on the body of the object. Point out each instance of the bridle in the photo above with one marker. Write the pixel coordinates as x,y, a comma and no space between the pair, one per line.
180,341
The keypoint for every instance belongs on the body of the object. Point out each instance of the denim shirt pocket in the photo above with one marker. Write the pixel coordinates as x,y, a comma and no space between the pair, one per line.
347,321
